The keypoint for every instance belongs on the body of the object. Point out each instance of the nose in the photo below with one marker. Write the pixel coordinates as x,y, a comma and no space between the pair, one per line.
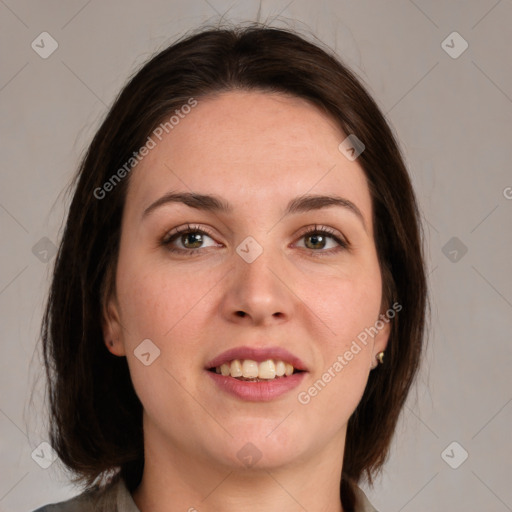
258,293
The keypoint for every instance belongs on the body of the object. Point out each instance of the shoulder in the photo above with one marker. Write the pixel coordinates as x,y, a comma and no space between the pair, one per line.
105,499
81,503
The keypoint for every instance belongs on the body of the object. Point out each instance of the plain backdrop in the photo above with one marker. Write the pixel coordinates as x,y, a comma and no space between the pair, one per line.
451,108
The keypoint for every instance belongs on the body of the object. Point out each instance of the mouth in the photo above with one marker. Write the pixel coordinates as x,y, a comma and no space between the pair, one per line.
256,374
249,370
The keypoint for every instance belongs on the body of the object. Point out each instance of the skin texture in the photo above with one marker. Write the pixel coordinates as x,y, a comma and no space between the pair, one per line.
257,151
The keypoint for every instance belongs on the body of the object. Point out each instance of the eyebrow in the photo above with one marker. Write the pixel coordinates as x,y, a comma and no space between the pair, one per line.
211,203
316,202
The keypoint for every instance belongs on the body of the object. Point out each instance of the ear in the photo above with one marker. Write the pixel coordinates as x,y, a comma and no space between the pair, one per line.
380,341
112,328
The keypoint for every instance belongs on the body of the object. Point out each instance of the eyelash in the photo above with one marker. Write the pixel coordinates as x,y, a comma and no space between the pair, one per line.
316,230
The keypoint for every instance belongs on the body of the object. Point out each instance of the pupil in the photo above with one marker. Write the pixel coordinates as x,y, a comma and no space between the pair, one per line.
196,240
316,239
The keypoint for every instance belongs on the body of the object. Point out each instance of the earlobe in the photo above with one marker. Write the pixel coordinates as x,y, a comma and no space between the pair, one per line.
377,359
380,341
112,331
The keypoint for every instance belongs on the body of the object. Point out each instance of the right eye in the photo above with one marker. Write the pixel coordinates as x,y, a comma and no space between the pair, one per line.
190,240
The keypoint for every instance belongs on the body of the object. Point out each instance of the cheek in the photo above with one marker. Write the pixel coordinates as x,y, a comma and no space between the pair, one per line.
156,303
348,306
162,307
167,306
350,310
345,304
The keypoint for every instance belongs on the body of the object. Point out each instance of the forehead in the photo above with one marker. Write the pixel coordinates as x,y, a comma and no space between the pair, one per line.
247,145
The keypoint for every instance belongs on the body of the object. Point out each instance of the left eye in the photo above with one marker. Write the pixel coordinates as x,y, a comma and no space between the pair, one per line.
319,239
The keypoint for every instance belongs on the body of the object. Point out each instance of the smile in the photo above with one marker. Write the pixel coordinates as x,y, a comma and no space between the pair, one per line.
256,374
252,371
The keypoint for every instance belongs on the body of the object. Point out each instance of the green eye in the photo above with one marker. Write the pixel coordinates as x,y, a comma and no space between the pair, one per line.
191,239
318,241
318,238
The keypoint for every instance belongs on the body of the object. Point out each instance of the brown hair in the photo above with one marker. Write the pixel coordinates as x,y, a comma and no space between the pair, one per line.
96,417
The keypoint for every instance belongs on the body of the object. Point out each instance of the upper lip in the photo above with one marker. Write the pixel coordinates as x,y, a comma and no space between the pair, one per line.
258,355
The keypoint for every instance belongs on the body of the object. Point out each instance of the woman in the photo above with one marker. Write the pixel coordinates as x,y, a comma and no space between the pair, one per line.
238,303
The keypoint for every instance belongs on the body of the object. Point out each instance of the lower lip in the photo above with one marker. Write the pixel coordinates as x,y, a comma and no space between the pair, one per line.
257,391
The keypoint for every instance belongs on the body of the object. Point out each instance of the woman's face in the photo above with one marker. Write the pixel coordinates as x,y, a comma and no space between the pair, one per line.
247,284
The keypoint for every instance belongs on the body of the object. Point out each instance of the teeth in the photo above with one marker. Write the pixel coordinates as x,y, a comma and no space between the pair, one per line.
236,368
249,369
267,370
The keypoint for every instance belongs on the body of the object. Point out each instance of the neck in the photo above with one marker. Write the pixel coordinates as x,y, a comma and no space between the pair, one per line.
177,480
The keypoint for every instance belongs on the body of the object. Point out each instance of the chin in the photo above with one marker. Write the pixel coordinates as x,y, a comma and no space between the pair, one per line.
258,447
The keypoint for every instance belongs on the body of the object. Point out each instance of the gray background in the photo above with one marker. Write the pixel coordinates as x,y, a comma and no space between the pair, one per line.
453,119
